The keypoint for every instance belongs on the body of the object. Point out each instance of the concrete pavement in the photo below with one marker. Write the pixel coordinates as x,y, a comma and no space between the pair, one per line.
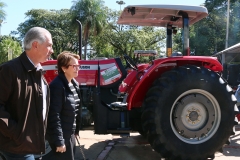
110,147
135,147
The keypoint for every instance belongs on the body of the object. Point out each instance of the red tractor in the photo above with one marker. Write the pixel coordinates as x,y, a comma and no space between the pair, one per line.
180,103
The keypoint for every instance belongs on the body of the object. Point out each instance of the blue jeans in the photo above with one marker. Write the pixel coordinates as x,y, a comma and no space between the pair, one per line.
12,156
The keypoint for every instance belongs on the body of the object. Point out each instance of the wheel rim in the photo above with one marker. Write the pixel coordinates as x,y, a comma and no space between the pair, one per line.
195,116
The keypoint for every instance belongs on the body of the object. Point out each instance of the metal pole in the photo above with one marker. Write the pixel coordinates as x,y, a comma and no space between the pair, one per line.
120,3
226,45
80,38
169,40
185,34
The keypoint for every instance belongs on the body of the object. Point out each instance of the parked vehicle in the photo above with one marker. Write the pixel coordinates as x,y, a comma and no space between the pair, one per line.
180,103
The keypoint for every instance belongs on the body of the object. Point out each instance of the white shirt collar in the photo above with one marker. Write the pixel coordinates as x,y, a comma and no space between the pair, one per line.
38,66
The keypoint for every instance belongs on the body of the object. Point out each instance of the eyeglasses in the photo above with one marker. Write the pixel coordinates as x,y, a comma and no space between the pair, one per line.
75,66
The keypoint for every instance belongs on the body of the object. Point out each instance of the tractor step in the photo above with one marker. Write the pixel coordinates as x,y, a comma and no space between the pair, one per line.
118,106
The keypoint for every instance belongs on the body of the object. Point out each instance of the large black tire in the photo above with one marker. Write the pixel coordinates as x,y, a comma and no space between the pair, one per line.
188,113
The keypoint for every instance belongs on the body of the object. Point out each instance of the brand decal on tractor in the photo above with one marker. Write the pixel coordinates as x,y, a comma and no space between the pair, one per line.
110,74
84,67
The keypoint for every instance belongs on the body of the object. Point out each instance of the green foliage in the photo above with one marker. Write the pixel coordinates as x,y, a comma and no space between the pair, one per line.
213,5
209,35
92,16
58,22
9,44
108,39
2,12
117,40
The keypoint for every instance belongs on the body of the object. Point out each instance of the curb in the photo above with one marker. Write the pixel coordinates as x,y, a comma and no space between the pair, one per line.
106,151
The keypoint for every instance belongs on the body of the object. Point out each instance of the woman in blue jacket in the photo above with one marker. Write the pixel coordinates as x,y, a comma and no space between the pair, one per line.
64,117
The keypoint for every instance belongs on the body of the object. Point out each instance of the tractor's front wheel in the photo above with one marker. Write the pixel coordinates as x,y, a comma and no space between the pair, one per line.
189,113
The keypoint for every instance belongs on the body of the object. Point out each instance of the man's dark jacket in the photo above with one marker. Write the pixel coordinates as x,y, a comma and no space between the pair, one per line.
62,111
22,129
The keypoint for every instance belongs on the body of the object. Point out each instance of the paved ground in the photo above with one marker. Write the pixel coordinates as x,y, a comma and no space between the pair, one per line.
108,147
135,147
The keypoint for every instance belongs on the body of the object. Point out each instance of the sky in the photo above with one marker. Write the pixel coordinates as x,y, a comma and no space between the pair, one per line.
16,9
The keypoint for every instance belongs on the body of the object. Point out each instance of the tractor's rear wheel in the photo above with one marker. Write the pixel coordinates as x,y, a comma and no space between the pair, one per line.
188,113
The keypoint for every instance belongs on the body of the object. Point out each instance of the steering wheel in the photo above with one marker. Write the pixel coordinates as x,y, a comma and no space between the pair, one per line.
130,63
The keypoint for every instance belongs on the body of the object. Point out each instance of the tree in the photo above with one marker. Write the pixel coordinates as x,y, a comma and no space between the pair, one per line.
91,14
209,35
58,22
2,12
122,39
234,28
218,20
9,45
134,38
212,5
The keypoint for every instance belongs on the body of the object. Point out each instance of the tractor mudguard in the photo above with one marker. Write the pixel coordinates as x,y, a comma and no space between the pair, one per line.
146,78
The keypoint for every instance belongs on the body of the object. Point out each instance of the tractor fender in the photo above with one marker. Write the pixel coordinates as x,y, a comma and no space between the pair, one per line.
138,91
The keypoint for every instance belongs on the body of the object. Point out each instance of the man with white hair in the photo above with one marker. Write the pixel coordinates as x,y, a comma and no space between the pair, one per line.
24,98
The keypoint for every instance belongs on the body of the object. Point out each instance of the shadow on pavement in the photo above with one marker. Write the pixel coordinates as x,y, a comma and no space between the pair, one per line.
234,148
134,147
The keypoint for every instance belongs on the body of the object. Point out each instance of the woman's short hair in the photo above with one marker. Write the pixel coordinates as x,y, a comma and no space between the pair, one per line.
34,34
64,58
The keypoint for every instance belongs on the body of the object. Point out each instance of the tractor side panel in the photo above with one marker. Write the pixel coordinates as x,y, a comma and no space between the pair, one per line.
111,71
140,88
50,70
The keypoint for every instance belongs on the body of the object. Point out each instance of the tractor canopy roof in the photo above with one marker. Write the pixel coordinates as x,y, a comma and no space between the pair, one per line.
161,15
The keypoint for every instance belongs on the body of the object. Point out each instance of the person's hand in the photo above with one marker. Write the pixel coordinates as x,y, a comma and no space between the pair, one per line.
61,149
